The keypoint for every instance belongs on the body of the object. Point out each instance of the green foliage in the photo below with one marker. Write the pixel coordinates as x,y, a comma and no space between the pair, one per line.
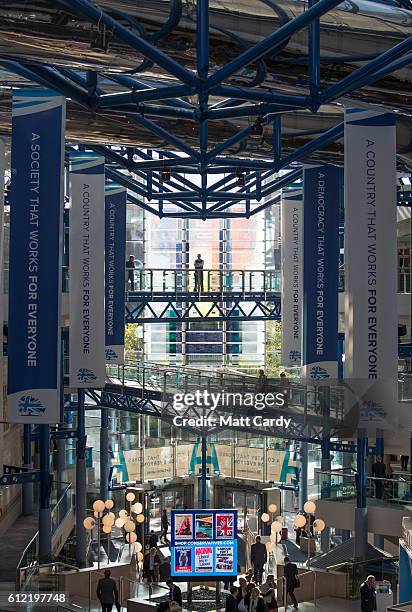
273,349
133,342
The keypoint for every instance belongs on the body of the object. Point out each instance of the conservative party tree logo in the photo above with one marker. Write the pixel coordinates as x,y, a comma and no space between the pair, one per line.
30,406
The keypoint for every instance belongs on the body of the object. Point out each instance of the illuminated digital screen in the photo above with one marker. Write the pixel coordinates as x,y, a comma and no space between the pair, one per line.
203,544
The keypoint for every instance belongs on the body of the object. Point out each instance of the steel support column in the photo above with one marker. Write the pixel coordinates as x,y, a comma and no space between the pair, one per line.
378,539
27,492
361,511
203,473
303,475
81,482
45,527
326,461
104,454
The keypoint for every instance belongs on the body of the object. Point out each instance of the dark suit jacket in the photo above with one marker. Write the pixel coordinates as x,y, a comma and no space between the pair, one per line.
231,603
290,572
107,591
175,594
258,553
368,598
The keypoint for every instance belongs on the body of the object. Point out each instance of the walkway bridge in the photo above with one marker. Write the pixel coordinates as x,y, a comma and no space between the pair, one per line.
314,411
164,295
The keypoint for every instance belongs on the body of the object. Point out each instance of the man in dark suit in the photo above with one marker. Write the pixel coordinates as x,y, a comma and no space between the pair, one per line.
379,471
290,572
175,593
107,592
258,556
231,600
368,595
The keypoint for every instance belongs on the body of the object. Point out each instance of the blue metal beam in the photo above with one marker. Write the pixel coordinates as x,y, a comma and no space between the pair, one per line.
268,44
146,95
98,16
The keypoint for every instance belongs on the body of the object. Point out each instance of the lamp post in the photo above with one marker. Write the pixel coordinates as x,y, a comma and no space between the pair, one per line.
300,521
107,520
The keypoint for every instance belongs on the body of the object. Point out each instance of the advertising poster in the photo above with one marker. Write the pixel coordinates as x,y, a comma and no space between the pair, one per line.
204,526
225,527
203,544
224,559
204,559
184,527
36,221
183,559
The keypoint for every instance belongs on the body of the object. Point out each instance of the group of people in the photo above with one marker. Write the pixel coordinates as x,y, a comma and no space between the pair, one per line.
251,596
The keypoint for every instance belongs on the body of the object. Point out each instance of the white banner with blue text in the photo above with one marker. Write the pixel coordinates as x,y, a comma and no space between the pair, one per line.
36,221
371,318
87,231
292,275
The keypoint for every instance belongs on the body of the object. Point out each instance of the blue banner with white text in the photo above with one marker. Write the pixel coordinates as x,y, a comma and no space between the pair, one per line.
321,203
115,250
36,219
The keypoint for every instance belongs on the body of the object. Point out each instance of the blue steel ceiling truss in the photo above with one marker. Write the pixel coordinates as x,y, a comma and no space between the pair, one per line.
179,179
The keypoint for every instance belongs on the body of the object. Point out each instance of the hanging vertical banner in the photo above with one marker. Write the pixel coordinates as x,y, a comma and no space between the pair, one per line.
321,203
2,378
371,335
36,217
115,257
292,275
87,225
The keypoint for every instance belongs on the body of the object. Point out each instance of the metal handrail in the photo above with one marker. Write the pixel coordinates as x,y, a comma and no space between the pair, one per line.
19,567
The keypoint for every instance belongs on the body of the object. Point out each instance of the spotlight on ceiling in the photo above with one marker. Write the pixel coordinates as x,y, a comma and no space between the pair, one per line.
165,174
100,39
257,127
241,178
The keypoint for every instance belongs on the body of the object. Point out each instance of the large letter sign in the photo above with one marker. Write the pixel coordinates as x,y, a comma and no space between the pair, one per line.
371,351
292,275
321,203
87,337
36,217
115,247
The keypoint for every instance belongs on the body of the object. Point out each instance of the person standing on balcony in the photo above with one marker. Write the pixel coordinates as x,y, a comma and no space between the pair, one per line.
368,595
130,267
165,526
199,263
379,472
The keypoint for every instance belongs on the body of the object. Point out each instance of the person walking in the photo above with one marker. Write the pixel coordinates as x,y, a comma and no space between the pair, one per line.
241,594
175,592
130,267
258,556
290,572
165,526
231,600
153,539
107,592
199,263
368,595
379,472
151,564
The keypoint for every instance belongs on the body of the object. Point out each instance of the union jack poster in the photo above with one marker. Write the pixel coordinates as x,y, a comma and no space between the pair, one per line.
225,526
